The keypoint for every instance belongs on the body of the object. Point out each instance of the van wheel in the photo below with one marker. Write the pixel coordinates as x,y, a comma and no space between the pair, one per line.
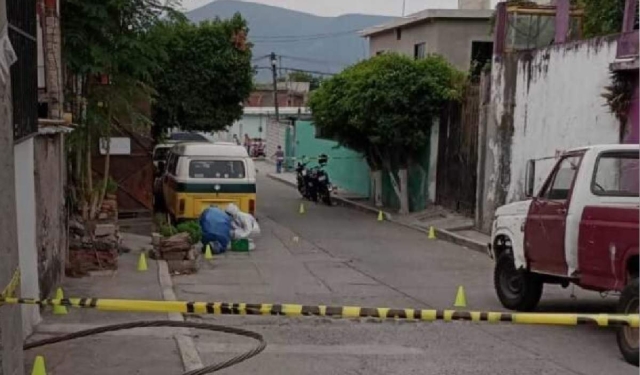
517,289
627,336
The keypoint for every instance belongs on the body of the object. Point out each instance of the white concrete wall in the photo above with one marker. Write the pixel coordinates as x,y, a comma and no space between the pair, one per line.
249,124
542,102
559,106
26,219
276,136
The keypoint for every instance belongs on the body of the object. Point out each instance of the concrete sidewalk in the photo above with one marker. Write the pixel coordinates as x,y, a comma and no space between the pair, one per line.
448,225
153,351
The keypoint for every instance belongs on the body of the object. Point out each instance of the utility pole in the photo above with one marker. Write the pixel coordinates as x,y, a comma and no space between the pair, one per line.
404,5
274,63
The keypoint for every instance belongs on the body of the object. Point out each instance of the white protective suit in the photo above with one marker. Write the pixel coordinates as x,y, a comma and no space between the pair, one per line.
243,225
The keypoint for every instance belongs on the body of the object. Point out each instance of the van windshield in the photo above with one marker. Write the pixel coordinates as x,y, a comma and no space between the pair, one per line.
216,169
160,153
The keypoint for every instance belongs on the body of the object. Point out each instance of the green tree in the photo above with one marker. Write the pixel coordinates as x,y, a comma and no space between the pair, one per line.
206,77
109,61
602,17
384,108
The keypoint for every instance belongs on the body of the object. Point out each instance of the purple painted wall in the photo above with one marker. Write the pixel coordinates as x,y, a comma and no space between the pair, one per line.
632,135
630,170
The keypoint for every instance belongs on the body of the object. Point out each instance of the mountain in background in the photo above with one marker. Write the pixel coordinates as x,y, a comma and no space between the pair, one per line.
304,41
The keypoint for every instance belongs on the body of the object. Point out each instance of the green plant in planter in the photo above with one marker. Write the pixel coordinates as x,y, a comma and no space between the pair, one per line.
112,186
167,230
191,227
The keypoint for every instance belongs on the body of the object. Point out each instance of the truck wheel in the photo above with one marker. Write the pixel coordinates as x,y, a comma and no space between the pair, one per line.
517,289
627,336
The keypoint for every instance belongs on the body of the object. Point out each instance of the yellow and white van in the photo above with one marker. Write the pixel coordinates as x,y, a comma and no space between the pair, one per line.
199,175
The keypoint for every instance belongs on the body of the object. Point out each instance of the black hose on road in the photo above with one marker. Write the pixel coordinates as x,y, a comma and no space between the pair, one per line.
168,323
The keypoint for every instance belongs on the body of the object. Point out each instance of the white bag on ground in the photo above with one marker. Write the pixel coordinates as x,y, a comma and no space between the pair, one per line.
243,225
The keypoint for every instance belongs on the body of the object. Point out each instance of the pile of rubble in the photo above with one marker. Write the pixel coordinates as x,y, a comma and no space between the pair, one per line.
178,251
109,208
95,245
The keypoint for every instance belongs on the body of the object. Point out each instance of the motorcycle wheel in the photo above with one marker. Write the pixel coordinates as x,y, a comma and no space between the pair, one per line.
326,199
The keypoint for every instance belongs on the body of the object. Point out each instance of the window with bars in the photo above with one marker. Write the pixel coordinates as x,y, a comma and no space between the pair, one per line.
420,51
21,15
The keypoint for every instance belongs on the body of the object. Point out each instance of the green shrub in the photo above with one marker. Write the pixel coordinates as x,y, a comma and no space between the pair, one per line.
191,227
167,230
112,186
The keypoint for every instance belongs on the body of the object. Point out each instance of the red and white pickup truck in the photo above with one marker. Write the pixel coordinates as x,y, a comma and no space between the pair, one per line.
581,227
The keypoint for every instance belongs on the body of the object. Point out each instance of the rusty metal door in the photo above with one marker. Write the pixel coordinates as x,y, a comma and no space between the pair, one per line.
458,153
133,173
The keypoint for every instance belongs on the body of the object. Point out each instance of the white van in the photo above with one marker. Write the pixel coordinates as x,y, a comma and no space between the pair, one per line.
198,175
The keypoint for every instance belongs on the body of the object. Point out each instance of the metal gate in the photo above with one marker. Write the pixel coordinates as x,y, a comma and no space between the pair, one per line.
458,153
133,172
21,16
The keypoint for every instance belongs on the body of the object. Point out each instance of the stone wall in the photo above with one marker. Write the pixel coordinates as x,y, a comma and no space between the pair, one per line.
51,212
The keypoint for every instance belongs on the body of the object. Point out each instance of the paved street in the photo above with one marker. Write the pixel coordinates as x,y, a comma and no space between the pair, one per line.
335,256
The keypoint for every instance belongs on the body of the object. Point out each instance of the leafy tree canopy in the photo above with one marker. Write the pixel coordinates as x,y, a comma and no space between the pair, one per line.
602,17
206,76
384,106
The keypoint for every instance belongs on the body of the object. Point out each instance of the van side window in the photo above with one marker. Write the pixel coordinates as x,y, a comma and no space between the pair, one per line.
562,180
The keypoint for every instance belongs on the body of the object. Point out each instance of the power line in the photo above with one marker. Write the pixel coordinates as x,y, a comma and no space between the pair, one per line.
297,70
304,36
294,39
259,58
306,59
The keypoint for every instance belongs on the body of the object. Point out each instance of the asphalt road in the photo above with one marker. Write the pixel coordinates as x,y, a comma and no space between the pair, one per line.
336,256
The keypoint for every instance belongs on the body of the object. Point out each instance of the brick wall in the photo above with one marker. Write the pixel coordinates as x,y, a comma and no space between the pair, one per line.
53,63
51,224
262,98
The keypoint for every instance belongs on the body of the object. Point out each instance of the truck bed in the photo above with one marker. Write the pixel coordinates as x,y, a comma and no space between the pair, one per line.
608,238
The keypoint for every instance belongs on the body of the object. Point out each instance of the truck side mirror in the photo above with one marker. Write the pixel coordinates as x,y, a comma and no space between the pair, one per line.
530,178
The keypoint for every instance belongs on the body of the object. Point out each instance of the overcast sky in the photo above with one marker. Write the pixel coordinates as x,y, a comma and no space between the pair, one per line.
338,7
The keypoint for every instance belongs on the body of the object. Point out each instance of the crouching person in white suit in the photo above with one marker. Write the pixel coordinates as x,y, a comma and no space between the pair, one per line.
243,225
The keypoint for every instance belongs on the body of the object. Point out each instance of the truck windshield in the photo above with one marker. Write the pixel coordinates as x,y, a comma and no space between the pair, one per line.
616,174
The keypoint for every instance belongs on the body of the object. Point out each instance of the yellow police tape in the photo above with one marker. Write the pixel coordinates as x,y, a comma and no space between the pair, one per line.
14,283
221,308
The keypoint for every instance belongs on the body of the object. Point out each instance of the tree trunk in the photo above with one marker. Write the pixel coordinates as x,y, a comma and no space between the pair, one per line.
423,184
376,187
107,162
400,188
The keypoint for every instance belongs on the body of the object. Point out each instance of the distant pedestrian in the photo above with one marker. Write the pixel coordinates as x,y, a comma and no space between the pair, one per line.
236,140
247,143
279,155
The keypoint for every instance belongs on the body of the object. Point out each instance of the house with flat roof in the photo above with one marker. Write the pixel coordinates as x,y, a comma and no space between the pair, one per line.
460,35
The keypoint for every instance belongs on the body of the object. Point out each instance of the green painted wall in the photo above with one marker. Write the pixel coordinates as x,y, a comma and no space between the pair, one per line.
351,174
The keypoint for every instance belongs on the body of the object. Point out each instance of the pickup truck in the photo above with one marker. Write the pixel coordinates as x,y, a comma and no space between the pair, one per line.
581,227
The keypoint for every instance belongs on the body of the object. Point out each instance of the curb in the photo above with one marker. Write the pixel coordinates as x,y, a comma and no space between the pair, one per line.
441,234
188,352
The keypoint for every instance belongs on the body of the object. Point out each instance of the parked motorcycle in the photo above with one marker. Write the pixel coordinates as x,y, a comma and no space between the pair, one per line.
314,183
